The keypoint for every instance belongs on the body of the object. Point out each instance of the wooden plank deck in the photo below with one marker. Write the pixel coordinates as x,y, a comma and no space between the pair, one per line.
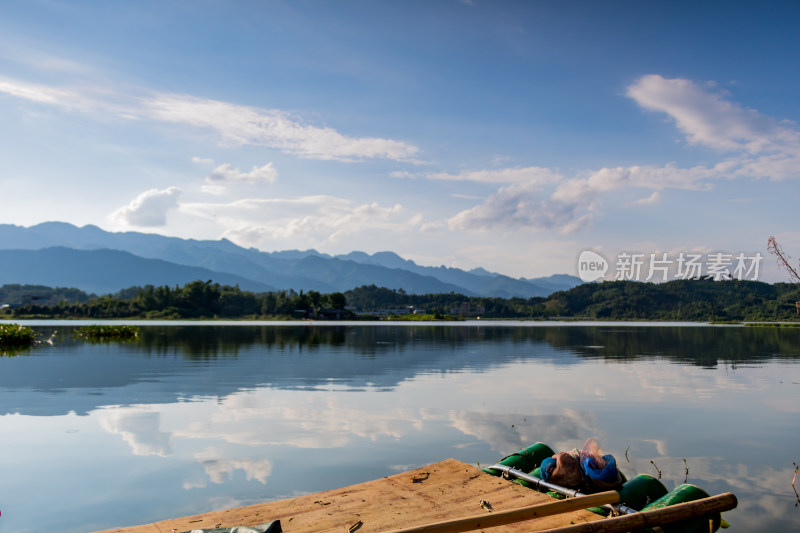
441,491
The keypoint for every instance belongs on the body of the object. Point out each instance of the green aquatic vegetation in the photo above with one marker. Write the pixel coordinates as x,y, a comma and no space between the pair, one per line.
773,324
16,335
103,333
424,318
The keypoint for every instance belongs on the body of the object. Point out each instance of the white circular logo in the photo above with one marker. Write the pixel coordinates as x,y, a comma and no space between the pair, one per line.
591,266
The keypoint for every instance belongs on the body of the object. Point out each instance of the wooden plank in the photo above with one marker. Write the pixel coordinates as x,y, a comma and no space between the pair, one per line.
655,517
503,518
447,490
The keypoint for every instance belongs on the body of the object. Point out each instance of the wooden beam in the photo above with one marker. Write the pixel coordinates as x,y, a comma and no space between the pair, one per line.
655,517
515,515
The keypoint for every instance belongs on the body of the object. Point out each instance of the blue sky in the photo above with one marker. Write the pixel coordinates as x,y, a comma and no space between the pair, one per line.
506,135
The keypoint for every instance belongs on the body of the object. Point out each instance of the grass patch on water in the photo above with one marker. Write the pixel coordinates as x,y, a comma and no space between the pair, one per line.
16,335
15,339
773,324
108,333
423,318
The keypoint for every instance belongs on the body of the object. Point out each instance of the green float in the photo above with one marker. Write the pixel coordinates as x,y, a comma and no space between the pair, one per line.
681,494
525,460
640,491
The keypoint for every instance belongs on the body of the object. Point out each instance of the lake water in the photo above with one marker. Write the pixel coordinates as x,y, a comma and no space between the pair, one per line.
196,417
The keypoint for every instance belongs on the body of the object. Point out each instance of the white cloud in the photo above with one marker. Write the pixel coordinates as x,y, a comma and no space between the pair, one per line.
571,205
101,102
585,189
519,207
529,175
764,146
402,174
465,196
149,209
227,173
38,93
202,160
271,127
707,118
650,200
238,124
320,219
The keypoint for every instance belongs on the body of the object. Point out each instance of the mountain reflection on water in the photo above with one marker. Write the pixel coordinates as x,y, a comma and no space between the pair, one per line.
307,357
193,418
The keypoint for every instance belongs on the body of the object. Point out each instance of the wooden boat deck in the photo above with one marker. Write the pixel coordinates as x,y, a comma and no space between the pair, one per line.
442,491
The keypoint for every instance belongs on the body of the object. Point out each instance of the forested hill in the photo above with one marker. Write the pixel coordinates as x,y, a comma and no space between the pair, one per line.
689,300
680,300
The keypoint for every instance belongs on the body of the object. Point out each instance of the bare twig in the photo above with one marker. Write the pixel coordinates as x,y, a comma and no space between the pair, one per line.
626,454
783,260
657,469
793,487
686,467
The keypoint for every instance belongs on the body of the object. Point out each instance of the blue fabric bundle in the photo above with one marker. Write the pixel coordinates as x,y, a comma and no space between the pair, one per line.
605,475
600,470
547,467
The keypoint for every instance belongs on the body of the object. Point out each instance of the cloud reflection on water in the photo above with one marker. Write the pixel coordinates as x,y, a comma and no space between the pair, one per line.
139,427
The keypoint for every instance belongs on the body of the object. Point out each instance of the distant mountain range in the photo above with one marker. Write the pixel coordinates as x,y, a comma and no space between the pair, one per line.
58,254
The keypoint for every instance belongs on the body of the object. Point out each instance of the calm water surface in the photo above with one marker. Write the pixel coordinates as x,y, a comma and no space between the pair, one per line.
195,417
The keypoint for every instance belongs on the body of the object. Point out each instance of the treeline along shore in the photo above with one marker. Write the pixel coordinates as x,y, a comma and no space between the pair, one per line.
679,300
